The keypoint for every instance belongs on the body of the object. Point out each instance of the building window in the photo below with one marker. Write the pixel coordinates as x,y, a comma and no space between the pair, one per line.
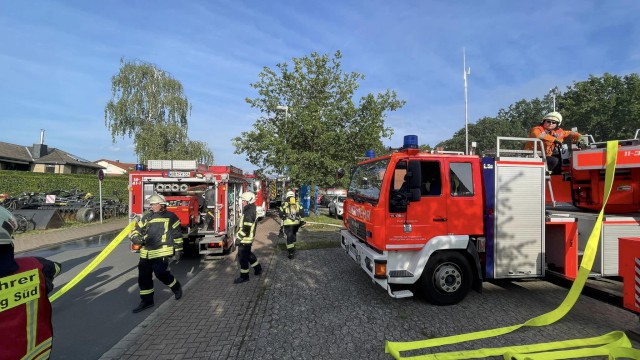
50,169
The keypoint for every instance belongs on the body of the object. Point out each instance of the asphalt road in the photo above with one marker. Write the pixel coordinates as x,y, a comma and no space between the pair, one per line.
95,314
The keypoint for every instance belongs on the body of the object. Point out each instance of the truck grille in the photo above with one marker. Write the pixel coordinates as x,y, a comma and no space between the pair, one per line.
357,228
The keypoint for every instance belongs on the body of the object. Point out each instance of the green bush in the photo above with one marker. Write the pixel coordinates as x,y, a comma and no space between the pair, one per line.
16,182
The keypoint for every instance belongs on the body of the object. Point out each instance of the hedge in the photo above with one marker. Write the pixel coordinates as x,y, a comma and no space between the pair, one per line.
15,183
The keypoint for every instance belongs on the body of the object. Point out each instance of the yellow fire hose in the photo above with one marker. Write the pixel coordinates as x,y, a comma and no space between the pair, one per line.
614,344
103,254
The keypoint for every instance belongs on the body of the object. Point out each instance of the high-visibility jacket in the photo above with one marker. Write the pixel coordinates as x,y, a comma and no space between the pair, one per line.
539,132
291,213
247,224
25,313
160,231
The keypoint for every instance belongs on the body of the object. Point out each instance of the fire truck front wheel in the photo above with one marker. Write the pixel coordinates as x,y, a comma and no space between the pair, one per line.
446,278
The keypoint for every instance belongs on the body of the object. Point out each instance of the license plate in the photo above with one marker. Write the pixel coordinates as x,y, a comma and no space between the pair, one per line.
179,174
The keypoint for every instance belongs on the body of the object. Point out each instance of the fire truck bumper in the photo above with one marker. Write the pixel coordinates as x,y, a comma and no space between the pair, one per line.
373,263
211,245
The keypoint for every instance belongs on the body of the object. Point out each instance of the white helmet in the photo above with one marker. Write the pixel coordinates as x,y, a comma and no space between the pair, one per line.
8,225
157,199
553,116
249,197
290,194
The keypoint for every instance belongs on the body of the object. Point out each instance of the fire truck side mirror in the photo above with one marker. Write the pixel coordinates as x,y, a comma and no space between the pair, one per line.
340,173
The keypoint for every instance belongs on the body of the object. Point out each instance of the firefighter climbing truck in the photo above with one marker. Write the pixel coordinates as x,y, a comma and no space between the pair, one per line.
205,198
258,185
441,223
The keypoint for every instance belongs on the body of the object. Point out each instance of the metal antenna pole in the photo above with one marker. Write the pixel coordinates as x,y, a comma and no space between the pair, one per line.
554,93
466,71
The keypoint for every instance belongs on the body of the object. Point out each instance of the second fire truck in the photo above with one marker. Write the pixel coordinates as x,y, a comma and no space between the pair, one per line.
205,198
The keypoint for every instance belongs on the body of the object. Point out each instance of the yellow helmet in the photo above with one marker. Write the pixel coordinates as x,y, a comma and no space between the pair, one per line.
553,116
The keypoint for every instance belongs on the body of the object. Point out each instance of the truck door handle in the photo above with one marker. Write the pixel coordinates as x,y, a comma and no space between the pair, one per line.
439,219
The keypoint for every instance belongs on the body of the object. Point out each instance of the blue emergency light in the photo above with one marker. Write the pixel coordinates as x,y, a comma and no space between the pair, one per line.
370,154
410,142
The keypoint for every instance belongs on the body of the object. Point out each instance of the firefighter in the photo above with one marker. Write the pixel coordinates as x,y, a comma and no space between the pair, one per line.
245,236
25,311
552,135
292,221
156,231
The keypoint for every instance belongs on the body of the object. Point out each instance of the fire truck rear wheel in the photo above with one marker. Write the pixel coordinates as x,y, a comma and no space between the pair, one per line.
446,278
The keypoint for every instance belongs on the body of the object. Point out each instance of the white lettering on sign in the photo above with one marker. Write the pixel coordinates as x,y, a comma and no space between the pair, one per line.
631,153
179,174
19,289
359,212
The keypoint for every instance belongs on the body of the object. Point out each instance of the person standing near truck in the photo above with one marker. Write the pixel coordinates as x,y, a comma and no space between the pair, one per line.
156,232
26,331
245,236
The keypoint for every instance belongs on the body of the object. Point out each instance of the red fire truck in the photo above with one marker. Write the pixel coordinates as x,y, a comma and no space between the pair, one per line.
205,198
258,185
442,223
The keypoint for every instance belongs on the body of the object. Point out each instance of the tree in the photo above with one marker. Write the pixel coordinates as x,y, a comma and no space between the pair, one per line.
149,105
322,129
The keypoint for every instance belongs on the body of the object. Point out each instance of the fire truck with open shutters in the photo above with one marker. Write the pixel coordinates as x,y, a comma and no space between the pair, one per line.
441,223
206,199
258,185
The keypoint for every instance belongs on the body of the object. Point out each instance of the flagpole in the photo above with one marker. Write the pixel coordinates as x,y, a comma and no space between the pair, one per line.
466,71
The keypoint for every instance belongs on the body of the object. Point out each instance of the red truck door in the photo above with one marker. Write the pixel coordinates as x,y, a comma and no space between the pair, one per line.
428,217
464,197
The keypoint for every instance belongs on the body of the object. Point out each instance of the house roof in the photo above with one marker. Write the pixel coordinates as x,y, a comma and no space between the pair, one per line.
23,154
123,166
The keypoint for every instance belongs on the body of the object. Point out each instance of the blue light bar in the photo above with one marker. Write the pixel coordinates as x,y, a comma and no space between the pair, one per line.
370,154
410,142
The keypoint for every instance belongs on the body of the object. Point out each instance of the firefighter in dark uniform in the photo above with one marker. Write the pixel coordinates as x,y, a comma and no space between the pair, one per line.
156,232
26,331
244,238
292,221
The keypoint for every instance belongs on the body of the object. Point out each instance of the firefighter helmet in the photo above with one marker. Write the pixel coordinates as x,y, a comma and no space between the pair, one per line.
8,225
553,116
157,199
249,197
290,194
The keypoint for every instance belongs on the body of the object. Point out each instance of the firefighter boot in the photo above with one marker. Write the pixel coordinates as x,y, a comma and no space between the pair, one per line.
142,306
291,254
177,290
241,279
257,270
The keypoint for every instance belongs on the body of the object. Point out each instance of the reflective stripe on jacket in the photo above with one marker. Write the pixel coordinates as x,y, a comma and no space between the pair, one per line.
159,231
25,317
247,224
538,132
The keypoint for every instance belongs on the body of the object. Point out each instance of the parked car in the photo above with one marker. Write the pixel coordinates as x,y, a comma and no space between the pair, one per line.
336,206
325,200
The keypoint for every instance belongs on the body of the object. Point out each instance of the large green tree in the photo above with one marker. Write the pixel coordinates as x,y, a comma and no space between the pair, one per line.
149,105
318,128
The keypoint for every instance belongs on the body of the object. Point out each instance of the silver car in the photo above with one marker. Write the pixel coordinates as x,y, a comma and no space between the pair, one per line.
336,206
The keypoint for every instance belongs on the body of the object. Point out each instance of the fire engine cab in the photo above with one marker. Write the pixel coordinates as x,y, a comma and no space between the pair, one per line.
442,223
205,198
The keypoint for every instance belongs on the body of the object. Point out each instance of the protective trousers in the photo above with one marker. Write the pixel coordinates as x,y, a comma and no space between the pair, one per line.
247,259
290,232
157,266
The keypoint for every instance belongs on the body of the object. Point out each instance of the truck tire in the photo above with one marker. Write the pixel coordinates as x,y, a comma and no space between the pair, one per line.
85,215
446,278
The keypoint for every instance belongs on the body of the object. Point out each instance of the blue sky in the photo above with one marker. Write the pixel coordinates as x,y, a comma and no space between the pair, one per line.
57,59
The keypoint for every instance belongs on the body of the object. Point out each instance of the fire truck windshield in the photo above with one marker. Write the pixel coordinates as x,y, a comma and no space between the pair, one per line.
366,181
